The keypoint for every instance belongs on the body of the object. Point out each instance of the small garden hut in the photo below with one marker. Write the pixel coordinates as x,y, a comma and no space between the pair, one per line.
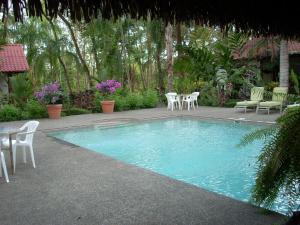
12,62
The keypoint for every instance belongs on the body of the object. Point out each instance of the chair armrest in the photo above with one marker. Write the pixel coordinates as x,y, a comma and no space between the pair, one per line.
22,134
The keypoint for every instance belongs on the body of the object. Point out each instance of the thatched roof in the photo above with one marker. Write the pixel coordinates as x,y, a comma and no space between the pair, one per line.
263,17
252,50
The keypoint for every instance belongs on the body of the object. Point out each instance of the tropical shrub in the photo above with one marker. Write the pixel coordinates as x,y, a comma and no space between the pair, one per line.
294,82
34,110
230,103
184,85
120,103
209,95
150,99
76,111
271,85
83,99
278,164
21,89
10,113
134,100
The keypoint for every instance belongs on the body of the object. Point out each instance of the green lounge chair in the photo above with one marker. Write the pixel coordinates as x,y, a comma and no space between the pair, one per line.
257,94
278,99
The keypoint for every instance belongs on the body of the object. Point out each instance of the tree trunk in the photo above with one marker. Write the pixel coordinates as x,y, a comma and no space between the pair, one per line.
160,73
4,33
66,75
179,38
78,52
94,50
169,48
284,64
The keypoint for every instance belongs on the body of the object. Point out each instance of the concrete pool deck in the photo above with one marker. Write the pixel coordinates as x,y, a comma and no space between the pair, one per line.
72,185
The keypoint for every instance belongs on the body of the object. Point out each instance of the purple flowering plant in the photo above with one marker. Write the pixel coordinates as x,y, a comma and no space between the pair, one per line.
108,87
50,93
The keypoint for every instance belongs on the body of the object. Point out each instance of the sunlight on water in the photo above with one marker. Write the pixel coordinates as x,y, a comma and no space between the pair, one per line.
200,152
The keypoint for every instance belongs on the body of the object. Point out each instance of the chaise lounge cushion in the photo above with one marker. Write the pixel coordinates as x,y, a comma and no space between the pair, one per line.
270,104
247,103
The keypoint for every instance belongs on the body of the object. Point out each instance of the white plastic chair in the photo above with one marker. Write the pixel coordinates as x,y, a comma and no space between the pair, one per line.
189,101
173,100
23,141
195,96
3,166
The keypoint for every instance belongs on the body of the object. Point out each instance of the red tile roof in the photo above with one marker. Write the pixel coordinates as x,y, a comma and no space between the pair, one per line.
13,59
294,47
250,49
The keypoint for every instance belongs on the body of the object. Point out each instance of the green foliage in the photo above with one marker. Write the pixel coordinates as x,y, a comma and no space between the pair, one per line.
10,113
120,103
271,85
208,95
197,62
21,89
184,85
129,100
295,82
134,101
150,99
278,164
230,103
76,111
34,110
3,99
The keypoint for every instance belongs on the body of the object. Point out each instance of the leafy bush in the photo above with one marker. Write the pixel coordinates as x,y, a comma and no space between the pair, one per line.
209,95
76,111
120,103
150,99
271,85
10,113
230,103
134,100
21,89
34,110
294,82
97,102
125,101
83,99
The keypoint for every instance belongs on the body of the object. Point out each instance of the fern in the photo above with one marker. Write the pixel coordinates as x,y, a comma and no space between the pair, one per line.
278,164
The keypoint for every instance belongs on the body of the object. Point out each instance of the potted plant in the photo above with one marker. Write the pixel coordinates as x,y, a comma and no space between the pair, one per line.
51,95
107,88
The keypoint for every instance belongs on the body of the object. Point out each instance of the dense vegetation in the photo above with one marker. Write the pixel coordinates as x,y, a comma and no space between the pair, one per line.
133,52
278,164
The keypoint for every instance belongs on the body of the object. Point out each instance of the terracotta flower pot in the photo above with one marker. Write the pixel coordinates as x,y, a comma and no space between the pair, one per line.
54,111
107,106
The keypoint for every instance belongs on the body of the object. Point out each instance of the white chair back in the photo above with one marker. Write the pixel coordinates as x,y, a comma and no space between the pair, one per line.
30,127
172,96
194,96
196,93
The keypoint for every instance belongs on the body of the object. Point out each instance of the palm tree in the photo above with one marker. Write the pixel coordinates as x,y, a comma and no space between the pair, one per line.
278,164
157,33
169,48
284,64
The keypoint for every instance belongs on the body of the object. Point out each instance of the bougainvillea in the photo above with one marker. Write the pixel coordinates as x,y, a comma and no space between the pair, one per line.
108,87
50,93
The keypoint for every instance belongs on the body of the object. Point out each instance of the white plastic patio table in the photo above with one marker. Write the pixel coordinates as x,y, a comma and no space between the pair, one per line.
9,131
181,97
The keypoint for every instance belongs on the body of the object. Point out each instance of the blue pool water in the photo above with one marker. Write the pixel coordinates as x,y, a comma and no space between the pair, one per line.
199,152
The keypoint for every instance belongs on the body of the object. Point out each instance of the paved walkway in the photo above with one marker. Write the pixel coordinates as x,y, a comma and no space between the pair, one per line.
72,185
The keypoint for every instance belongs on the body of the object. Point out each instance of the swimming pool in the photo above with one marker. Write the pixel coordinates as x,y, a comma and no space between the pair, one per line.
200,152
